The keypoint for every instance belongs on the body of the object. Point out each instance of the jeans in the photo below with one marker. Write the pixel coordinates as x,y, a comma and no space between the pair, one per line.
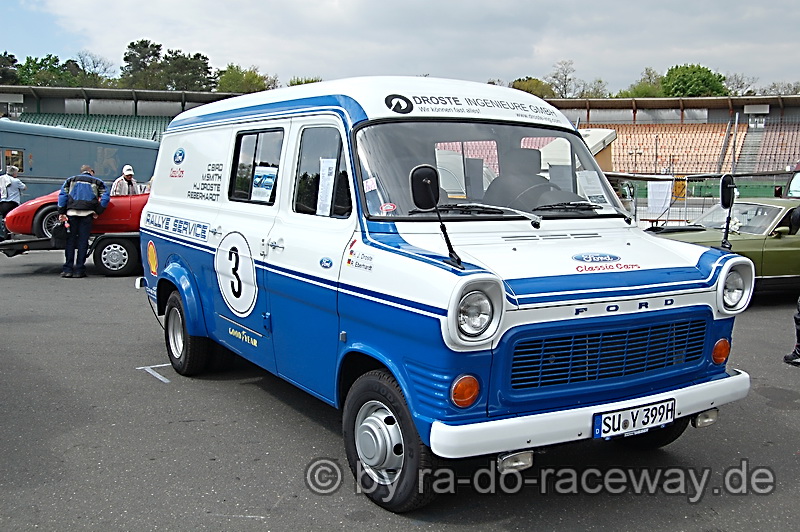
5,208
77,240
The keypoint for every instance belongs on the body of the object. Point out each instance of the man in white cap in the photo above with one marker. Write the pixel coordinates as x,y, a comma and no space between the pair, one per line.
125,185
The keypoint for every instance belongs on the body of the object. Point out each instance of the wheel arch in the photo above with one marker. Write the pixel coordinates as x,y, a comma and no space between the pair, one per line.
177,276
356,362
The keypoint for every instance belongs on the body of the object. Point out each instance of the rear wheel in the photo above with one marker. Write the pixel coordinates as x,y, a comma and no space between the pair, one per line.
383,448
44,221
116,257
189,355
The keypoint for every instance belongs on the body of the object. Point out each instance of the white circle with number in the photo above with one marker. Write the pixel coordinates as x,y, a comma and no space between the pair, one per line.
236,274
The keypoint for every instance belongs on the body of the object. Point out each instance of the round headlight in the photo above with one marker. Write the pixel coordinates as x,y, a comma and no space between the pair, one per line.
474,313
733,291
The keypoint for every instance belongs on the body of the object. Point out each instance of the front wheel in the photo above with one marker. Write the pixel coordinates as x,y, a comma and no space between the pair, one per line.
44,221
391,464
189,355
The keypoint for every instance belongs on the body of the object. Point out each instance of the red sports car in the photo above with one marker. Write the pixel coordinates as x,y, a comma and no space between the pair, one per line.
39,215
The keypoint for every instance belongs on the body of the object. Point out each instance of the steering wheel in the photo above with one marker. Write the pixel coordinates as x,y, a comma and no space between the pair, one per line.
535,192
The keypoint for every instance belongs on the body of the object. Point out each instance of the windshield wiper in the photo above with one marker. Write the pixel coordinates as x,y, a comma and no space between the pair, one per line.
465,208
568,206
481,208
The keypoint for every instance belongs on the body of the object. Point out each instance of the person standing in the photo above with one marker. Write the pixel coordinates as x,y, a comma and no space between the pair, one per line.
793,358
81,199
125,185
10,195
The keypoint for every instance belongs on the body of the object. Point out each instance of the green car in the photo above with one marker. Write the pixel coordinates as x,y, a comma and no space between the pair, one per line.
765,230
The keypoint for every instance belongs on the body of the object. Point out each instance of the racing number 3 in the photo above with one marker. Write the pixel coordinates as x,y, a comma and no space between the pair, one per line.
235,270
236,285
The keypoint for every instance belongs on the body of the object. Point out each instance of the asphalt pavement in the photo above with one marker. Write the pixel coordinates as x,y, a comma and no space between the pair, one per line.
98,433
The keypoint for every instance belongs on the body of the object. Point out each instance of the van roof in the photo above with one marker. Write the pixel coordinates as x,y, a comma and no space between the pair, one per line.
369,98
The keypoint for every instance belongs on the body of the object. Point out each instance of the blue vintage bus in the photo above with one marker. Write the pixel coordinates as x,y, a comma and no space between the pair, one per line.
47,155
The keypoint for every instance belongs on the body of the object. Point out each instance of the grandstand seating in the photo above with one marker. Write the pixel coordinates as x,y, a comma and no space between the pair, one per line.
144,127
780,146
674,148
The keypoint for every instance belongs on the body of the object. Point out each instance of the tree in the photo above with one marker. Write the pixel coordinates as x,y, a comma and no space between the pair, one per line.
8,69
781,88
596,89
561,79
47,71
687,81
740,85
648,86
235,79
302,81
183,72
534,86
498,82
142,66
93,70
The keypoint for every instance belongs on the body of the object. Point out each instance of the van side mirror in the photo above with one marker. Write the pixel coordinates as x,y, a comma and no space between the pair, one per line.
726,190
424,187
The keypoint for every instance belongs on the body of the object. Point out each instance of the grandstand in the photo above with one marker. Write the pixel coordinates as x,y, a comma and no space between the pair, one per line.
143,127
754,135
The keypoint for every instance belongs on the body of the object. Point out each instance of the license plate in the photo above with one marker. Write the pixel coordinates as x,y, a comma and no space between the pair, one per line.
634,420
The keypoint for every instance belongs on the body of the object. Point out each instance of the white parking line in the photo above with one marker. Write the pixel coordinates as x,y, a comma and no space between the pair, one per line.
154,373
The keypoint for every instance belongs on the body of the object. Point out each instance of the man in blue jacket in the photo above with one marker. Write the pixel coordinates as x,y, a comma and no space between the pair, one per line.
81,199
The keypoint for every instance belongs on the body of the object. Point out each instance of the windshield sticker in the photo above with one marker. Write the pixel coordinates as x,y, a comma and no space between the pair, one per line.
461,104
370,184
589,183
388,207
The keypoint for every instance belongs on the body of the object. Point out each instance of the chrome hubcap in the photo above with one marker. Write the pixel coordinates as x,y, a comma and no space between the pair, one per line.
175,332
114,257
379,442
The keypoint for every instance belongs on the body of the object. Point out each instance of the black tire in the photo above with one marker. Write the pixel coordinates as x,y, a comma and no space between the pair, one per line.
189,355
116,257
656,438
383,447
44,220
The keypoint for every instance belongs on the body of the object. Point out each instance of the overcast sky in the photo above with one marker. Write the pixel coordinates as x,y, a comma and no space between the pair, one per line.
473,40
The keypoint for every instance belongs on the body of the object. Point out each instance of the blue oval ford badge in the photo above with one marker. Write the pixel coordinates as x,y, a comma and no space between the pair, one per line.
595,257
325,262
179,156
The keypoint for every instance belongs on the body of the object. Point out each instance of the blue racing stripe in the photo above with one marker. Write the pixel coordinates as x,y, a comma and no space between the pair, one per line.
352,109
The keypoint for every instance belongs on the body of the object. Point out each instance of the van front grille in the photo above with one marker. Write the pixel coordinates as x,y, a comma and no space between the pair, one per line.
594,356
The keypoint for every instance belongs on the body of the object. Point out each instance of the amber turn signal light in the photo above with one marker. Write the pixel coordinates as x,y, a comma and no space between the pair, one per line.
721,351
464,391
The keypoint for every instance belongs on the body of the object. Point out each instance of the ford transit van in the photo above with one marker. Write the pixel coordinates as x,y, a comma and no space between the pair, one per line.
445,262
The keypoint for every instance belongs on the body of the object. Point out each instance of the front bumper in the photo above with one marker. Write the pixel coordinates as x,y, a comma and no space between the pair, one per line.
538,430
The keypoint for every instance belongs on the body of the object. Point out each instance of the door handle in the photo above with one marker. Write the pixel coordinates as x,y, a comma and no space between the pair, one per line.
215,232
274,245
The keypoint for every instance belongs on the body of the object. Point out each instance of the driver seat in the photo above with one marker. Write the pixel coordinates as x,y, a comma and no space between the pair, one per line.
519,172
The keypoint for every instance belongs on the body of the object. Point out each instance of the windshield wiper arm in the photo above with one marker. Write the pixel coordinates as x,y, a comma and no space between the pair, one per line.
568,206
465,208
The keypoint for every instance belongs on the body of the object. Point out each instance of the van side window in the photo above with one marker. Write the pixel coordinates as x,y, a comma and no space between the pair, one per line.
322,186
15,158
257,155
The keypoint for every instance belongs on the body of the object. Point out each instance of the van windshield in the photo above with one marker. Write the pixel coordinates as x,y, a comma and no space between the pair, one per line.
508,167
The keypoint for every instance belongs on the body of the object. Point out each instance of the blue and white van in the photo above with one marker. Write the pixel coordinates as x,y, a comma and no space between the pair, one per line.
442,260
